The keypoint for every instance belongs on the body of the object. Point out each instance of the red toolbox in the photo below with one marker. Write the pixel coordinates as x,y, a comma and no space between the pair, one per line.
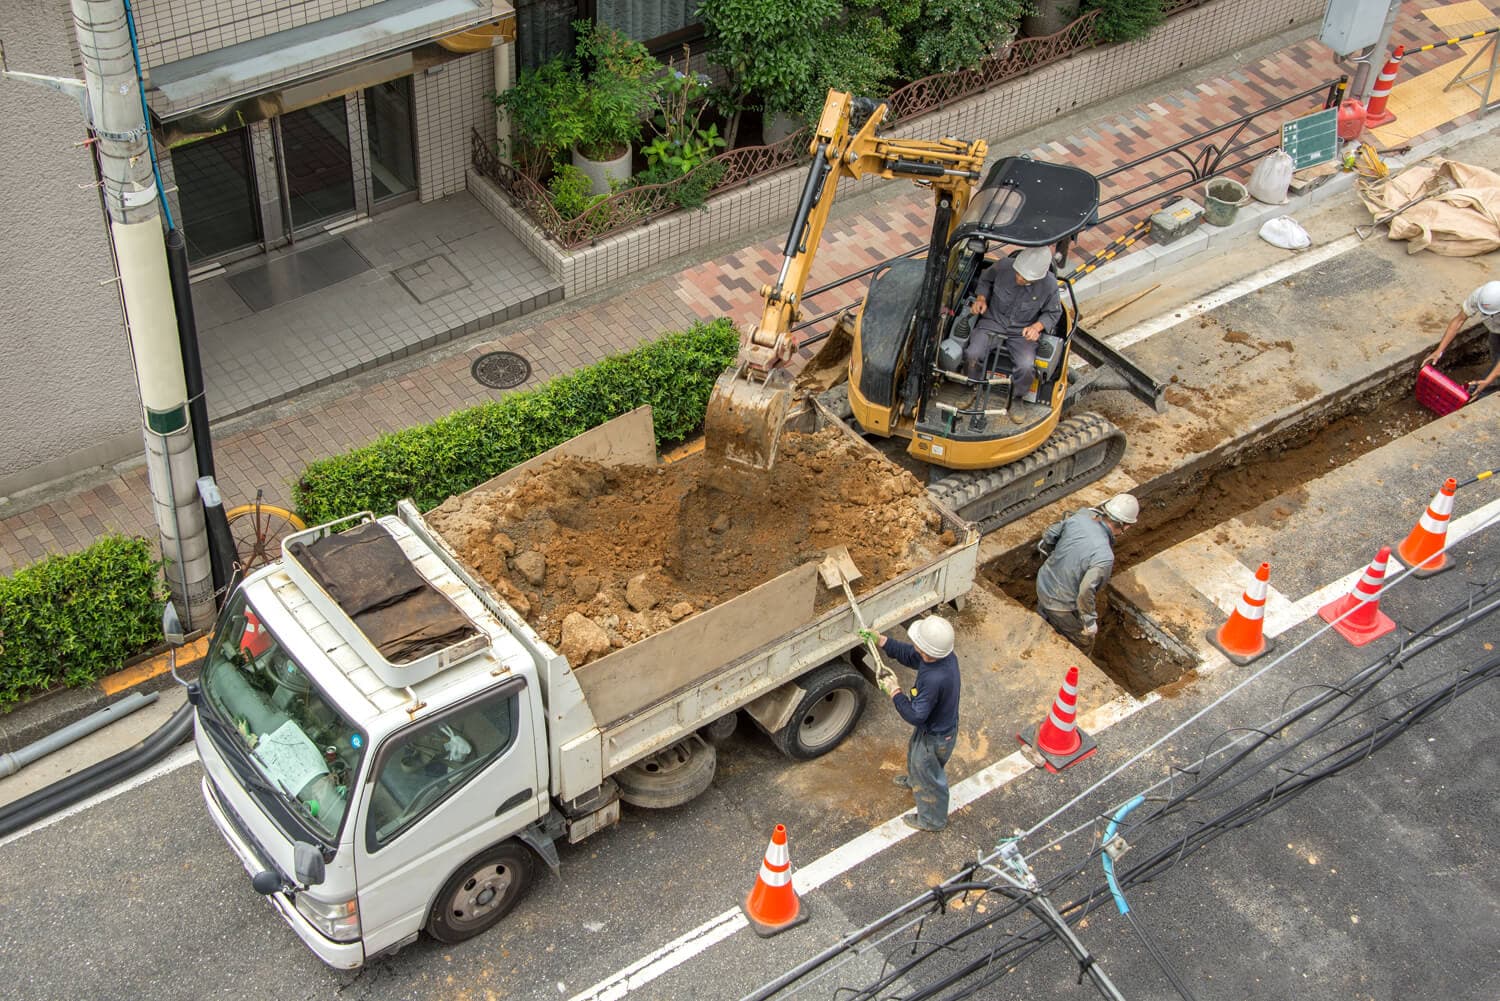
1438,393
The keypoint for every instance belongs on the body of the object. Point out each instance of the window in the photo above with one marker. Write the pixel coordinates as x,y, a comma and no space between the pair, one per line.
420,767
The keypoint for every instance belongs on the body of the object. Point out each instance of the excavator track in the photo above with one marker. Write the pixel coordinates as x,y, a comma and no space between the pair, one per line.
1081,450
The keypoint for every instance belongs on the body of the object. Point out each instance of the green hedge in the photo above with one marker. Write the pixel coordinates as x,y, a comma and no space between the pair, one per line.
432,462
73,619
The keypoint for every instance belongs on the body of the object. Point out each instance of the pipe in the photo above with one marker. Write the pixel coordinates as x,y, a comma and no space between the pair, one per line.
1109,863
96,778
187,340
10,763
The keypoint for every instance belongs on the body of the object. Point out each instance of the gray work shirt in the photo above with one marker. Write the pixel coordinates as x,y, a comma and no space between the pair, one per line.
1080,557
1010,308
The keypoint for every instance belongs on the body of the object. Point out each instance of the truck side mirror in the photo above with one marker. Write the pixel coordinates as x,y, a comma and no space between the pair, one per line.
307,860
171,625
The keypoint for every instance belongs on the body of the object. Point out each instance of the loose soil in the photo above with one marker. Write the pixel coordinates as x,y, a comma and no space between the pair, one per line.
635,549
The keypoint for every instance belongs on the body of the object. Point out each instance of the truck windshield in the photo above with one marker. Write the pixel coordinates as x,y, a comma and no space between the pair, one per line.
279,721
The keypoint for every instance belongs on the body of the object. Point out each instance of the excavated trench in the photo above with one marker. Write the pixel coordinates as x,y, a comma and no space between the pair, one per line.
1228,483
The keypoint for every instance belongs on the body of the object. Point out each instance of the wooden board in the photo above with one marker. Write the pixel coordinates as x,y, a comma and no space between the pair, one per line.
628,440
644,673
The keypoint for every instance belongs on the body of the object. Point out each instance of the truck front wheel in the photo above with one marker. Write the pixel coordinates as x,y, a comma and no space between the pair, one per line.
479,894
833,701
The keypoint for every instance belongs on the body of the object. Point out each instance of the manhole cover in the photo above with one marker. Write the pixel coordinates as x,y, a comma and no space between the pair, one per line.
501,369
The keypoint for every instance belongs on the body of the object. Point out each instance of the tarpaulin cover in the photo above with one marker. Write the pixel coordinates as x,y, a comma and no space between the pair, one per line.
367,574
1461,218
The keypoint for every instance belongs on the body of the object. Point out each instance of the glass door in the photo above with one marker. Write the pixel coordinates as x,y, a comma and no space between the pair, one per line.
317,174
216,195
388,124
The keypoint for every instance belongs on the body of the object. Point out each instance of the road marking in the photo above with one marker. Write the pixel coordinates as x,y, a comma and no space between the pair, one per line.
182,756
1235,290
840,860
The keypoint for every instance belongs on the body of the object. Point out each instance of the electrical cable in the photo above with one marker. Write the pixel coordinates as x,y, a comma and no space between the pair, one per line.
140,86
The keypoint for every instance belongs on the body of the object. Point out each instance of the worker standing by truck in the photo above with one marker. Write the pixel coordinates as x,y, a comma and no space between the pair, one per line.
1484,303
1080,553
931,707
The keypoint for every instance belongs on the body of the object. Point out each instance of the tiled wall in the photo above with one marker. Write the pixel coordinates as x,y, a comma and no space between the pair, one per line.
169,30
448,104
1188,39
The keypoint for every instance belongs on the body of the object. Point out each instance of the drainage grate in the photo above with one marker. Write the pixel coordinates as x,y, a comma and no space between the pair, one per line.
500,369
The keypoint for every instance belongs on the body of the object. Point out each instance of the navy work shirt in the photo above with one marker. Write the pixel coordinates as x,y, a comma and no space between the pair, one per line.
933,704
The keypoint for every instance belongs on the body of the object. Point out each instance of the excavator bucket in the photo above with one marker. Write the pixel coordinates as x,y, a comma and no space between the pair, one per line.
744,419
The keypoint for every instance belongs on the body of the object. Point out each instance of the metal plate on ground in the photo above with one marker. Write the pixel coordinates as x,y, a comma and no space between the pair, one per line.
431,278
500,369
281,279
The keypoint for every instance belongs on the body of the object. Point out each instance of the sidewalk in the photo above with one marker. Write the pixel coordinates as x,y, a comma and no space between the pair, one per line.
268,450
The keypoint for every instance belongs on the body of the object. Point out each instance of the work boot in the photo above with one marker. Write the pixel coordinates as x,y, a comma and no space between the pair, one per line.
910,819
903,781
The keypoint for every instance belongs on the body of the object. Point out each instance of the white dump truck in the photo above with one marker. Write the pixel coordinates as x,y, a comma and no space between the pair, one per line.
389,748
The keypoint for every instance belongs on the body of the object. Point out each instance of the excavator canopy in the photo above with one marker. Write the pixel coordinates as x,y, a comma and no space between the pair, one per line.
1030,203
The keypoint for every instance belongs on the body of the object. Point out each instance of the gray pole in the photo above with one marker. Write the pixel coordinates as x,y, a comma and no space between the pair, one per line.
1368,64
134,206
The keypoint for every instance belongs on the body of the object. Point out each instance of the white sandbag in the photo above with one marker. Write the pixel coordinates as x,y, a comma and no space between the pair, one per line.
1286,233
1272,178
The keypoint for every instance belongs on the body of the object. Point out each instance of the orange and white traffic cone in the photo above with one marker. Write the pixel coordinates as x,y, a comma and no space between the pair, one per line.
1430,535
1364,620
1376,114
1243,638
1058,739
773,905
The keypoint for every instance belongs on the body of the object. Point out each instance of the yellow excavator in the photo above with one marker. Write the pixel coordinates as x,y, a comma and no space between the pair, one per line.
1002,447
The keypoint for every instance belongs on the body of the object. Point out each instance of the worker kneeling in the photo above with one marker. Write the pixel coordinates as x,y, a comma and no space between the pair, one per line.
1018,301
931,707
1080,555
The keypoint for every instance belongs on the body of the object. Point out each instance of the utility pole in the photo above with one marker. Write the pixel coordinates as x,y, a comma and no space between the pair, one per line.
111,99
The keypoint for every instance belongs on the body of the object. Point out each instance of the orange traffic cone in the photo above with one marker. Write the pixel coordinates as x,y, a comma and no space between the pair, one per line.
1058,738
1364,620
1430,535
1376,114
1242,639
773,905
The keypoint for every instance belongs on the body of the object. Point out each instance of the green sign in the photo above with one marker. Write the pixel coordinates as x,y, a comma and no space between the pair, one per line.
1312,139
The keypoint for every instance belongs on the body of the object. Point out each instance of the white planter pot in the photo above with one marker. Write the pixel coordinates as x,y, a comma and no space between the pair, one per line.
601,172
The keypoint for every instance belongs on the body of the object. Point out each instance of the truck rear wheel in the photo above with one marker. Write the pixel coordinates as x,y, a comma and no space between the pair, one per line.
671,776
834,700
480,893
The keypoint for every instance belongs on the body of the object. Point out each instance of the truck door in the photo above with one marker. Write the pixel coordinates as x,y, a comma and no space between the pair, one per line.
438,792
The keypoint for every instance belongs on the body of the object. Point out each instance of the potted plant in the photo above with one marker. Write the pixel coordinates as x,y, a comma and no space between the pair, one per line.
682,141
768,51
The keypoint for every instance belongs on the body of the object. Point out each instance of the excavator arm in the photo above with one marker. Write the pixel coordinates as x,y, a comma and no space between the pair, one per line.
750,400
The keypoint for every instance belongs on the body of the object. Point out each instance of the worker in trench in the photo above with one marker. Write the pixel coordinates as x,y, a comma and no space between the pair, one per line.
1080,553
931,707
1017,300
1484,304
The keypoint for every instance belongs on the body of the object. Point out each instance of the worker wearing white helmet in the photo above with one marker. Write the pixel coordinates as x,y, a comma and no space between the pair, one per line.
1016,300
931,707
1483,304
1080,555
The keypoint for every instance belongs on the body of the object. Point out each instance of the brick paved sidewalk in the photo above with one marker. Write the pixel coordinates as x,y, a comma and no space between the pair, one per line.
272,456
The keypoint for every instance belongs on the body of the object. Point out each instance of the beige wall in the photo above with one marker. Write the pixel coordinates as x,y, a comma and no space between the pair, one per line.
70,398
448,105
169,30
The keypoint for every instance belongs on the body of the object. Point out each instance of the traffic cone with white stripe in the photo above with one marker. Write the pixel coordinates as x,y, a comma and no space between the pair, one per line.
1430,535
1058,738
773,905
1357,615
1376,114
1242,639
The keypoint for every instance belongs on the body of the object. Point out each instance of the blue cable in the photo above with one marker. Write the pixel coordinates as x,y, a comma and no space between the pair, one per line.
1109,863
140,83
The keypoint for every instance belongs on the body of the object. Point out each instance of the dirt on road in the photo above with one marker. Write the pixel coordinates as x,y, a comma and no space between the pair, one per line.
619,553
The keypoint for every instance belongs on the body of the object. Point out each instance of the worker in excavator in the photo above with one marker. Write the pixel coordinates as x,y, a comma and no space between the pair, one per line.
1080,553
1018,301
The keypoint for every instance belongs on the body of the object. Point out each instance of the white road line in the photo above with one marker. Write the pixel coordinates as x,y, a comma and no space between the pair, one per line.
182,756
1270,276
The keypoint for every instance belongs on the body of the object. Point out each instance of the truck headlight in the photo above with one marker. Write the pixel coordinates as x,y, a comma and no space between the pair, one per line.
338,920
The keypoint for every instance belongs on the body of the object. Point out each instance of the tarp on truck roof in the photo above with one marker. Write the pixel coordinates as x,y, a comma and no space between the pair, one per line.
367,574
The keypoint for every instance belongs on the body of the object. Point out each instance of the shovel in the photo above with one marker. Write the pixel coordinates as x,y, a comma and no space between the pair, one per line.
838,568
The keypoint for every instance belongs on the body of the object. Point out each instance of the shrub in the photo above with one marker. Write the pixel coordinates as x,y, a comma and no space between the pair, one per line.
73,619
687,192
572,192
1124,20
949,35
432,462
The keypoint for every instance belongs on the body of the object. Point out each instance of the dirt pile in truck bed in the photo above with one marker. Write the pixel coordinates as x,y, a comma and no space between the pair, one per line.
596,558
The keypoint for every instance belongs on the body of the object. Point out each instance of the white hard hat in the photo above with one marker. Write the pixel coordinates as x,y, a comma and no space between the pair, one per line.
1487,297
1123,508
1033,262
932,636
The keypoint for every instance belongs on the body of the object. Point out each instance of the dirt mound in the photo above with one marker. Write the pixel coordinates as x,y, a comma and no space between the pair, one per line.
633,549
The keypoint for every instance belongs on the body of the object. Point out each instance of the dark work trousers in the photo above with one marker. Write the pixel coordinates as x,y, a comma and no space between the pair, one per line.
927,755
1071,627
